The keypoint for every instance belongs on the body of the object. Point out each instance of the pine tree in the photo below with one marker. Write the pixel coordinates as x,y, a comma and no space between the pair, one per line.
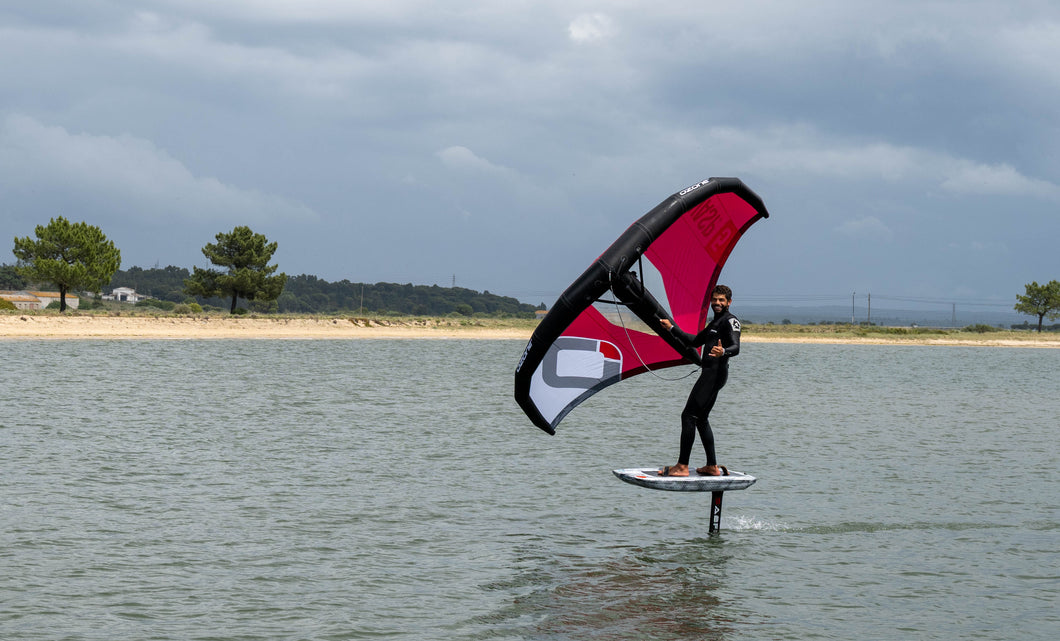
71,256
247,274
1040,301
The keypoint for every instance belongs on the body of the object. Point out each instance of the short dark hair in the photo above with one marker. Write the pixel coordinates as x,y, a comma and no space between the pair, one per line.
725,291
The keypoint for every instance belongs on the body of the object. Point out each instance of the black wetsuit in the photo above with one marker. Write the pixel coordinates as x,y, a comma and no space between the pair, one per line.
726,328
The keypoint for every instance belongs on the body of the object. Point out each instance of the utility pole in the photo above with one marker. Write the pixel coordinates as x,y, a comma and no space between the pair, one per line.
852,307
954,321
870,310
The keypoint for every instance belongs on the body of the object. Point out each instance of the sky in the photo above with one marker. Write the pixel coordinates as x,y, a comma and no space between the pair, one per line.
905,150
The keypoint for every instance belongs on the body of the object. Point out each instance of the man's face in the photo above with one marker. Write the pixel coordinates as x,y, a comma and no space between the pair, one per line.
719,303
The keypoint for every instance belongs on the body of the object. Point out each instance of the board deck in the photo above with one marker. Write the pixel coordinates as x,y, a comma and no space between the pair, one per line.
649,477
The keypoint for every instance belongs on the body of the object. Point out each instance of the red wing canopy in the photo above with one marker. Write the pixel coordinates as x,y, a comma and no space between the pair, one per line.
605,327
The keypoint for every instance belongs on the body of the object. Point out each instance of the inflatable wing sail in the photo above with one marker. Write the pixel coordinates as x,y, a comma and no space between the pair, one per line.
605,327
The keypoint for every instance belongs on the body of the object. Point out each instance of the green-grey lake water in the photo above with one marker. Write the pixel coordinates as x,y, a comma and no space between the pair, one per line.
363,489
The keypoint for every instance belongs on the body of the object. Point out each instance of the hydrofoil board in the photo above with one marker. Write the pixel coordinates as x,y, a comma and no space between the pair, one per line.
694,482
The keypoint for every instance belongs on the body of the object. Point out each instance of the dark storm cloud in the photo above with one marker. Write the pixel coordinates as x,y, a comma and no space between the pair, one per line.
507,144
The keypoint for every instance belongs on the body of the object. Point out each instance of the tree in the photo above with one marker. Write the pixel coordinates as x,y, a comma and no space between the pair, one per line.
72,256
1040,301
9,278
244,256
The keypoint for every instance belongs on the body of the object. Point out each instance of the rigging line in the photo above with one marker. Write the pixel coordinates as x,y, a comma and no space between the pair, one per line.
622,322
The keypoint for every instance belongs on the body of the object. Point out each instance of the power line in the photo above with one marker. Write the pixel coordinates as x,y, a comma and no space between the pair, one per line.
840,298
948,301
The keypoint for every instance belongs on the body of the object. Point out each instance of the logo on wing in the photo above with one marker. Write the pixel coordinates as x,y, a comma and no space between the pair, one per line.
571,370
582,363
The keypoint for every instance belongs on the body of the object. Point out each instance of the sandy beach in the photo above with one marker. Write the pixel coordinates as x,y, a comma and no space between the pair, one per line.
214,327
51,326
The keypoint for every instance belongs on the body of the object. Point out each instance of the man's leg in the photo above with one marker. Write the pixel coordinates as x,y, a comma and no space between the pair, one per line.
703,424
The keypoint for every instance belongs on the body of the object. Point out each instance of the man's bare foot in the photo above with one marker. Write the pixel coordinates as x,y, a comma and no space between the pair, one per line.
676,470
709,470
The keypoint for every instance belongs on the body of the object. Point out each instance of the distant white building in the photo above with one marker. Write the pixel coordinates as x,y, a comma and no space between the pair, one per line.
21,300
46,298
124,295
38,300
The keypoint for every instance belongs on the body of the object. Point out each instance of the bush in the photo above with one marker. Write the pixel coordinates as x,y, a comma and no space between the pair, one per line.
980,328
7,305
263,306
166,305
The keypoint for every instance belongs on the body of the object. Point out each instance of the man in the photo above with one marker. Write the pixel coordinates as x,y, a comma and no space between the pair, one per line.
723,335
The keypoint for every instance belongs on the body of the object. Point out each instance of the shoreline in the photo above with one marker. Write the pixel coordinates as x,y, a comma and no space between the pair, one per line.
977,341
15,326
222,327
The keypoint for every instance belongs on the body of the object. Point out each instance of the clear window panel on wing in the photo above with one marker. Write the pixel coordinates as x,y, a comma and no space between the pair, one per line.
619,315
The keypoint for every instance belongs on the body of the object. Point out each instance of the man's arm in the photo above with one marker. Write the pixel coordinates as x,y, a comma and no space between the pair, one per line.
683,336
733,326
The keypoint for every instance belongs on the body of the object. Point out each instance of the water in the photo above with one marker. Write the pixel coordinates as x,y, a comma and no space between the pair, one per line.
238,490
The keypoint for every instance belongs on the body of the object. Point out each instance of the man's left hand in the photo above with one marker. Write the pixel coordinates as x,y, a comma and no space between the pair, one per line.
717,351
